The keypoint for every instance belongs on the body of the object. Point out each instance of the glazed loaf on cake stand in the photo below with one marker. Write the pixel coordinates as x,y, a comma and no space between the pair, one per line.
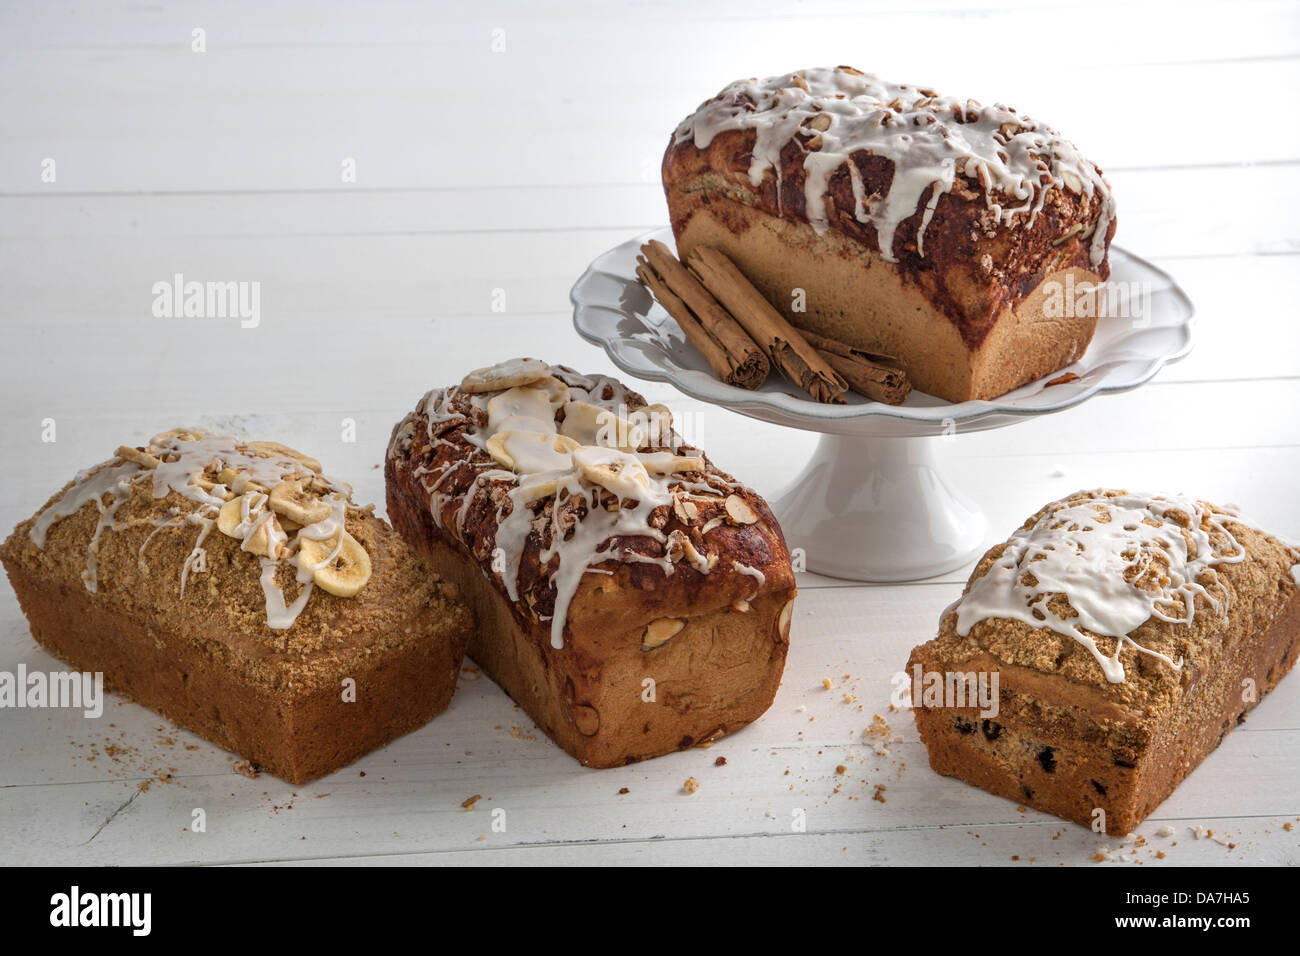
923,227
966,243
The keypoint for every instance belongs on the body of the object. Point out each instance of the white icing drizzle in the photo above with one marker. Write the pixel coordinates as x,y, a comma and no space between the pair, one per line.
87,486
1120,560
754,573
930,139
279,616
187,458
206,524
585,473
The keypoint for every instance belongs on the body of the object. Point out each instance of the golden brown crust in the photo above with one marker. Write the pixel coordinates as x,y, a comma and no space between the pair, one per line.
1254,592
225,606
605,698
854,296
714,674
206,656
967,266
1067,740
439,455
297,731
961,232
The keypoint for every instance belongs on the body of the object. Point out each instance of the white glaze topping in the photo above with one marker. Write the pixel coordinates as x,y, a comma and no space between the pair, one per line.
188,462
930,139
602,448
1120,560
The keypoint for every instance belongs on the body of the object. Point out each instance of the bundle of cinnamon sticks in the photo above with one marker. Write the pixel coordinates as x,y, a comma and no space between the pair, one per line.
742,335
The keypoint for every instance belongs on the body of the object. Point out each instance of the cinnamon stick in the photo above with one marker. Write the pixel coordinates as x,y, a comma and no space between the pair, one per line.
695,333
731,353
879,377
786,348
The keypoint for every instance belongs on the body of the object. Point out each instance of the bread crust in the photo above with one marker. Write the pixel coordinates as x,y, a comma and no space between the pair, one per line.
1068,741
854,296
958,299
718,673
207,659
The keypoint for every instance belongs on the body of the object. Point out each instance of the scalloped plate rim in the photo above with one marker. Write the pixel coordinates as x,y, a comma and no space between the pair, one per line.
816,414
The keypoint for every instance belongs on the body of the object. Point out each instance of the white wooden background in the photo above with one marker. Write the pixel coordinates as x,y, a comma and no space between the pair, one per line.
482,169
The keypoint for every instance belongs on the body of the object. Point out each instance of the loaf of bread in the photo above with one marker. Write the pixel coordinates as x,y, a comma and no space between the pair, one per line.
1102,652
633,599
237,590
966,241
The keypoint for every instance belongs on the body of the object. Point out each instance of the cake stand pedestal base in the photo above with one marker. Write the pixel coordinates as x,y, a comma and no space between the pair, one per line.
879,509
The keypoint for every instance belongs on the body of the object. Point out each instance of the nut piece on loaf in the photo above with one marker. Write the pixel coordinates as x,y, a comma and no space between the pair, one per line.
946,234
633,599
1128,634
233,587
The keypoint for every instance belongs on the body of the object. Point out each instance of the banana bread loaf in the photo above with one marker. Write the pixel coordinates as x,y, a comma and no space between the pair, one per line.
966,241
237,590
1102,652
633,599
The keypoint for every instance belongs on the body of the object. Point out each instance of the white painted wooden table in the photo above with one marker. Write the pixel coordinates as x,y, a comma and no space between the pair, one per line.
497,148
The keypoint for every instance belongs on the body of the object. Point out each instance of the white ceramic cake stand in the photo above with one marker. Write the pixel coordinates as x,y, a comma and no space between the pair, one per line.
875,502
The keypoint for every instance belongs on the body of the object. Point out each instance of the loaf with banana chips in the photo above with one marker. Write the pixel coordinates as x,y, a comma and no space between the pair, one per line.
631,597
236,589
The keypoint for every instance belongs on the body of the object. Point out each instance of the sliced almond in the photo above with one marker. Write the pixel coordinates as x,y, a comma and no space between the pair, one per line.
740,606
712,523
673,548
685,509
821,122
659,631
692,554
783,619
290,499
739,511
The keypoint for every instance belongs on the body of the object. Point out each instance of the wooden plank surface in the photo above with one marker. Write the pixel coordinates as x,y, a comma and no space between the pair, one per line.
482,174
